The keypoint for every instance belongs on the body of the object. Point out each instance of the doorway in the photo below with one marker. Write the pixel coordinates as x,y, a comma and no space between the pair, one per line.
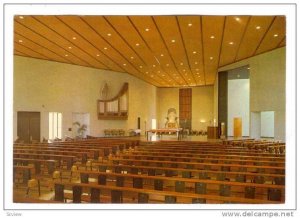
28,126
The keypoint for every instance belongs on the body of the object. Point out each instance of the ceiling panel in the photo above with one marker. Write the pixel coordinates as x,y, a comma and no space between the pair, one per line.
166,51
212,30
235,27
256,29
274,36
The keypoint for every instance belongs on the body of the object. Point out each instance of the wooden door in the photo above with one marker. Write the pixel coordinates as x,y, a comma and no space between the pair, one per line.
237,127
28,126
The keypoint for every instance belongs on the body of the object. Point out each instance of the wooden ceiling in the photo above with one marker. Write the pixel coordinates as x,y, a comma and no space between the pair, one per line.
166,51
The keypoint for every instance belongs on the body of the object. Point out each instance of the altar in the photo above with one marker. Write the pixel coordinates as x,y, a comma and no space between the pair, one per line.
160,132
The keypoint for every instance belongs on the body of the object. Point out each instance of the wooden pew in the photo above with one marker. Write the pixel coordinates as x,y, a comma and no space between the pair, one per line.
170,196
51,164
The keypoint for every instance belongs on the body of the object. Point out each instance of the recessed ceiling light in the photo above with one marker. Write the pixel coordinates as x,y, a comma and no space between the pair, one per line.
105,48
183,70
248,68
97,55
137,44
69,47
199,76
237,19
167,65
158,71
194,52
124,64
190,24
163,75
212,36
196,62
257,27
108,34
275,35
181,63
189,79
132,57
147,72
20,40
74,37
230,43
153,65
211,58
21,17
66,55
152,75
174,74
161,55
173,40
141,66
147,29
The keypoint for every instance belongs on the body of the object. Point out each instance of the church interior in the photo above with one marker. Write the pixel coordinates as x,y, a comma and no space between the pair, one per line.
177,109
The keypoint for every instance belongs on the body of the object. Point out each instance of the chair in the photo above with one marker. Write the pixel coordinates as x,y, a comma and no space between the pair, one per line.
102,168
120,181
203,175
59,192
151,172
179,186
200,188
224,190
137,182
250,192
88,164
95,195
186,174
169,173
199,201
143,198
279,181
84,178
77,191
221,176
158,184
240,178
259,179
102,179
33,183
74,170
274,194
170,199
116,196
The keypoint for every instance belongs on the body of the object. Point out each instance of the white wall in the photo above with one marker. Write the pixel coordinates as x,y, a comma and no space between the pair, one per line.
238,104
267,85
48,86
255,129
267,124
202,105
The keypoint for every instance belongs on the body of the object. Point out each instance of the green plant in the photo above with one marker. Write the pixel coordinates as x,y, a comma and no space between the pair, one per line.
80,128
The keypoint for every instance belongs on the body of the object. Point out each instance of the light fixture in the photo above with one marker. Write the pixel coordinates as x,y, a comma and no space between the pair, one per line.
153,65
73,37
161,55
147,29
275,35
190,24
105,48
152,75
196,62
147,72
248,68
21,17
230,43
183,70
66,55
181,63
158,71
97,55
141,66
212,36
189,79
167,65
194,52
211,58
20,40
185,74
131,57
237,19
257,27
173,40
137,44
163,75
124,64
69,47
108,34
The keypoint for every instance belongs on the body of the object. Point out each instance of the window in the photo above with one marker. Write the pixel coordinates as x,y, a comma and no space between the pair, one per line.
55,127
